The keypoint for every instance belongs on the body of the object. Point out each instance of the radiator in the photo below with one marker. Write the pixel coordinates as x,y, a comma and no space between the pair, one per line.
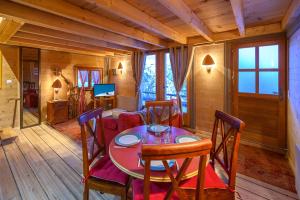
297,169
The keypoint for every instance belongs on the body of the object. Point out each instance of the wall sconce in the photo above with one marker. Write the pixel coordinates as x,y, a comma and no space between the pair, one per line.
120,67
208,62
56,86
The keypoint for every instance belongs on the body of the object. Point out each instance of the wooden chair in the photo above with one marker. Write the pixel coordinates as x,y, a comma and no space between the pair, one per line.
186,151
225,144
99,174
158,113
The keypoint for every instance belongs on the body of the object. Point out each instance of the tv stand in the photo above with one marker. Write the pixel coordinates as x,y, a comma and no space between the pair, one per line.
107,102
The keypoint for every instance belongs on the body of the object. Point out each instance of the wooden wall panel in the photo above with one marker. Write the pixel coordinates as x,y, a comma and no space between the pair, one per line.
125,83
293,110
10,71
209,87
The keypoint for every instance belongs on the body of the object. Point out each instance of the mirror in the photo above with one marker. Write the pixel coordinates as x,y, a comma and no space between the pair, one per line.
30,93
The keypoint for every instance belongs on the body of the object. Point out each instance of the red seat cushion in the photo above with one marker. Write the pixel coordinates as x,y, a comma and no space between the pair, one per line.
159,190
104,169
212,180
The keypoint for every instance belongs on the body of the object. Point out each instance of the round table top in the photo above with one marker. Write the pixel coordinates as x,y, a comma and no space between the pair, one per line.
127,158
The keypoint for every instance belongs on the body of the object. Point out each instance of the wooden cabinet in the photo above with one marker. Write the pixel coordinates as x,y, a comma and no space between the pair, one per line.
57,111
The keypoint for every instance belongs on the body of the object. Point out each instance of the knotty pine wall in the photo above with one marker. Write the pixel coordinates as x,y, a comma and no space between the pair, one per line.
209,86
293,110
125,84
10,71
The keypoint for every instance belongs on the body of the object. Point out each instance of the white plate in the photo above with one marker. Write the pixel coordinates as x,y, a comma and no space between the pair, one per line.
186,138
158,128
157,165
127,139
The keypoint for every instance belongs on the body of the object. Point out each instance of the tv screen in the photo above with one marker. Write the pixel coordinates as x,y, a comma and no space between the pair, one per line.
104,90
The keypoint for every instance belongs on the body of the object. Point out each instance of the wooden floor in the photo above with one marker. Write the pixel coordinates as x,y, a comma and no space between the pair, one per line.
29,119
40,163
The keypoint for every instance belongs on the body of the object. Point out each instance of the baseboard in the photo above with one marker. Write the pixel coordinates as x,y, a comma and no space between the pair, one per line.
292,164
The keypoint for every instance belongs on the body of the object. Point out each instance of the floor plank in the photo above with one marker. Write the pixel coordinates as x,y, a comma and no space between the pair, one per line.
26,180
9,190
66,141
267,186
67,175
260,191
53,186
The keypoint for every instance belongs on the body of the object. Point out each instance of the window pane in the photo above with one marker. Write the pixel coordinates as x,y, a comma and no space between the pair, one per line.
148,86
247,82
268,83
268,56
84,75
247,58
183,95
170,91
95,77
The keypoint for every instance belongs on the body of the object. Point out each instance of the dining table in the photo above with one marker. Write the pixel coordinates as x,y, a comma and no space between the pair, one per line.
128,158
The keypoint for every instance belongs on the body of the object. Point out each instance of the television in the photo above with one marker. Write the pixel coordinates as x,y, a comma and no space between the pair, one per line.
104,90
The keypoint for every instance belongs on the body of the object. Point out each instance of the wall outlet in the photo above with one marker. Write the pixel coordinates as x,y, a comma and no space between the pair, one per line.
8,82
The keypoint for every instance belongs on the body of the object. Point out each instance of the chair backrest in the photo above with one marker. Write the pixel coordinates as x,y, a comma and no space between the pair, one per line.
91,125
186,151
158,108
225,144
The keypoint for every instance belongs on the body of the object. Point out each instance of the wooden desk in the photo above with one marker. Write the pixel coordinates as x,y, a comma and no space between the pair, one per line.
105,101
57,111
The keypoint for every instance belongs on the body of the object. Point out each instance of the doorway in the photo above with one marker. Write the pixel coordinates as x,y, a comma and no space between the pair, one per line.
259,97
30,113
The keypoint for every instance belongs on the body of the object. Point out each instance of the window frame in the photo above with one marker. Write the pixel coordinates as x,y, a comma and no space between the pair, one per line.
89,69
257,69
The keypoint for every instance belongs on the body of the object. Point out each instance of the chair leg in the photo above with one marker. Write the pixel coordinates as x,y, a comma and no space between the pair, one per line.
86,192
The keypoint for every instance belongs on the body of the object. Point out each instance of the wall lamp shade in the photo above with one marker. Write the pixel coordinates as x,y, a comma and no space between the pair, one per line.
56,84
208,62
120,67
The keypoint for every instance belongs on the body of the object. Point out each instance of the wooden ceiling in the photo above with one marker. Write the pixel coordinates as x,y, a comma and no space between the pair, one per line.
108,27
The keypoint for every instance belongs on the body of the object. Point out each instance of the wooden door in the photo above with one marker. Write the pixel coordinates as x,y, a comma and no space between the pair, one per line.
259,97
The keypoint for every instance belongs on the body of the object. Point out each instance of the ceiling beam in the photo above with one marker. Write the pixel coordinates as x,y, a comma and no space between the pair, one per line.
237,7
8,28
55,47
52,40
131,13
70,11
291,14
232,35
48,20
185,13
29,28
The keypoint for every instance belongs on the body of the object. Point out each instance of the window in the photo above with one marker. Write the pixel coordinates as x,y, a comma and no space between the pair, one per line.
170,91
258,69
148,87
89,76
